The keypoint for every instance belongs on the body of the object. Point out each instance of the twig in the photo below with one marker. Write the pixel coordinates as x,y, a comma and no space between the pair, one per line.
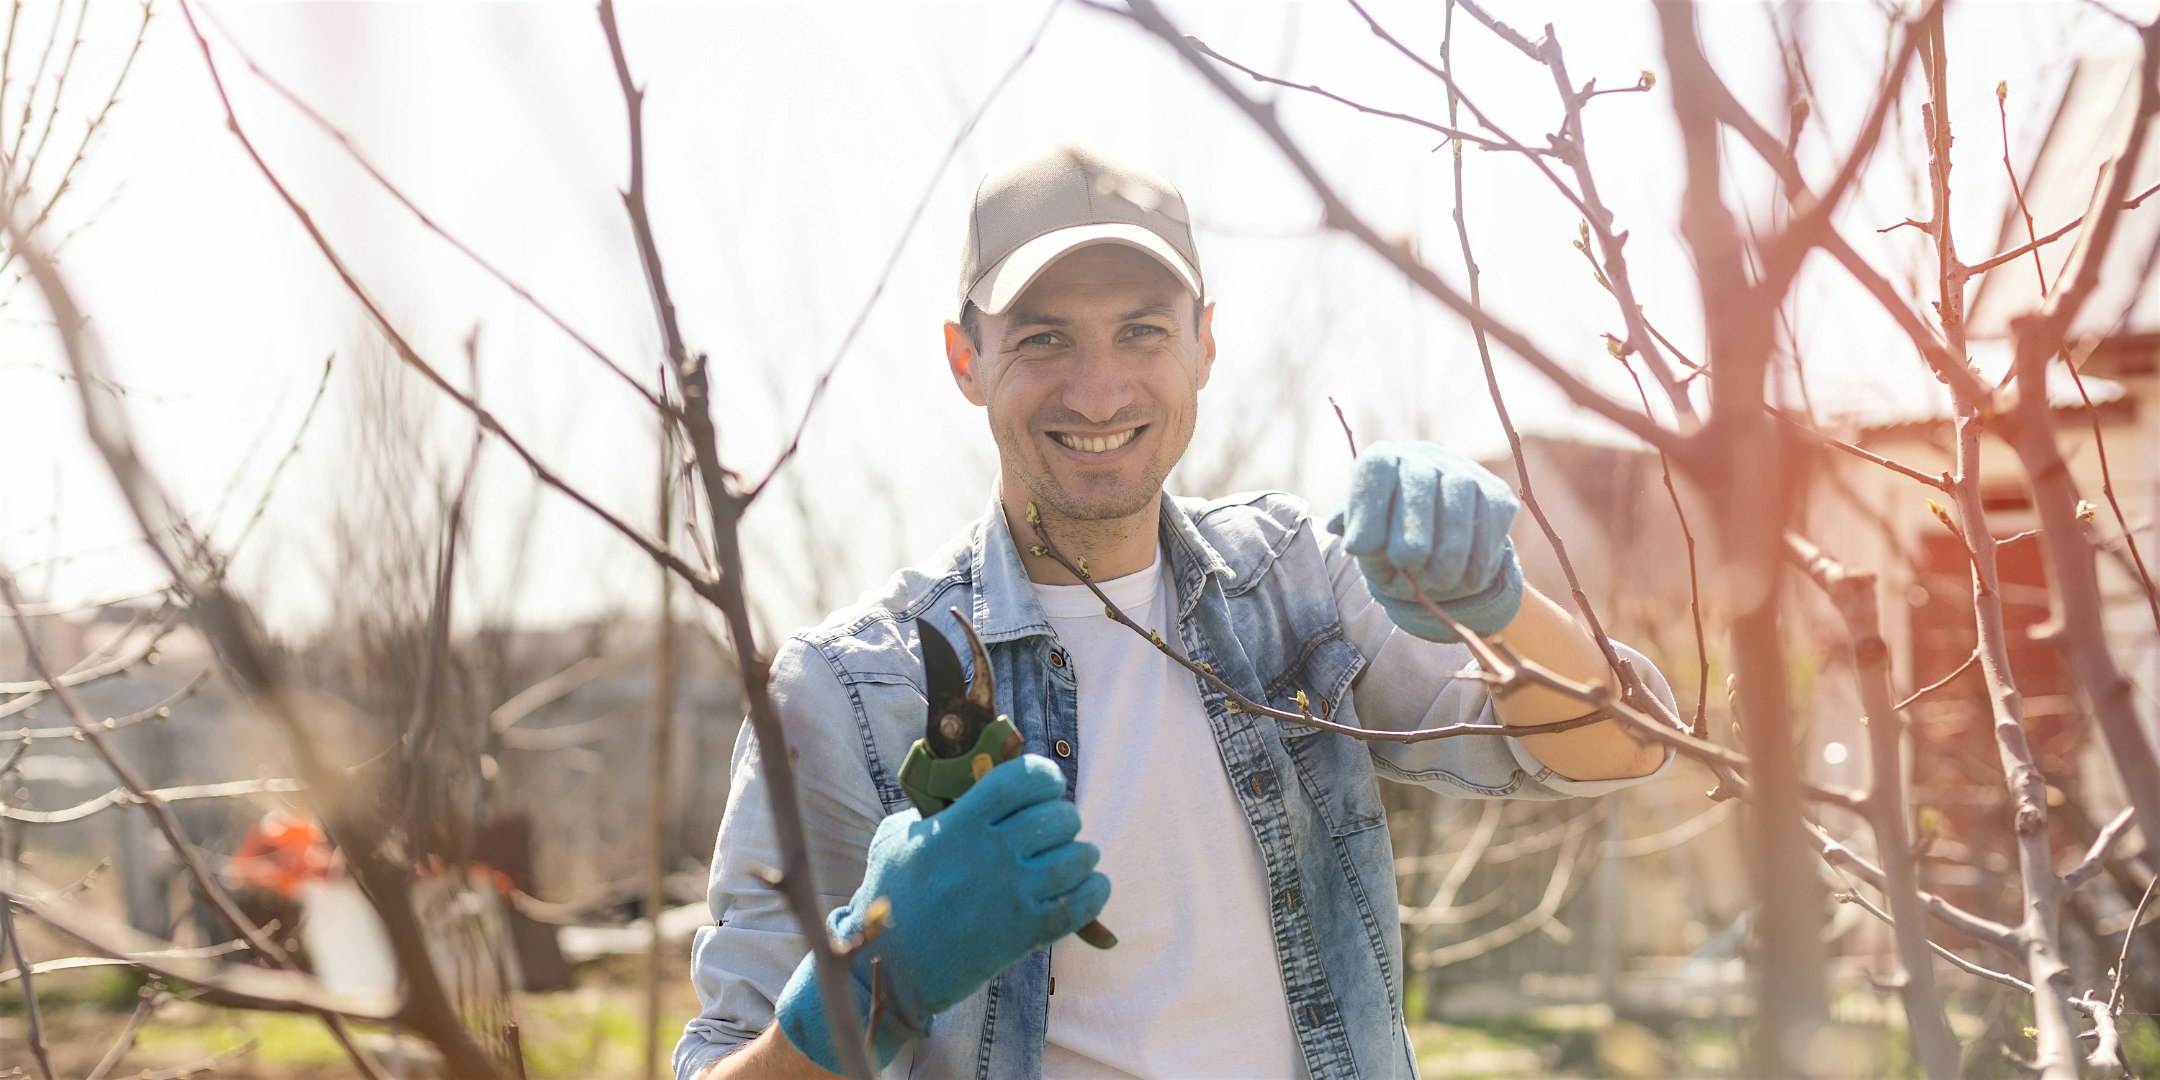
1574,148
230,627
29,166
2039,931
2107,475
862,315
307,419
1492,378
1558,890
725,505
1448,130
1964,922
2122,959
1915,696
1854,898
1887,805
209,1064
160,711
352,150
1993,261
1700,725
1237,702
122,796
2096,855
83,675
1447,79
81,963
126,1039
1345,422
698,581
2029,427
31,1019
1339,216
1939,481
96,123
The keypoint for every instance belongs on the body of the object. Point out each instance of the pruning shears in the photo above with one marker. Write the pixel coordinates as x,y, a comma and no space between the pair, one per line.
965,737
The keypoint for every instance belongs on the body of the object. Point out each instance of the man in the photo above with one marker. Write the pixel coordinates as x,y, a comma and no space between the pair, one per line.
1254,885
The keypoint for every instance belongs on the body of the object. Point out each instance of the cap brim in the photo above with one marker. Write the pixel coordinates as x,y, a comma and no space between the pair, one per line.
1004,282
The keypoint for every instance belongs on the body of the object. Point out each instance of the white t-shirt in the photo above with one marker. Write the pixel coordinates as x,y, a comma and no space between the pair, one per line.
1192,989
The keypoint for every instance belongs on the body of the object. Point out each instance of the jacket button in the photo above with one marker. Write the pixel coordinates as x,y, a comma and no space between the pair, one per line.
1057,659
1064,749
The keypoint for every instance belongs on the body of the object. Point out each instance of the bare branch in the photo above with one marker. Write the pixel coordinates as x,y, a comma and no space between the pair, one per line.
2096,855
725,505
80,963
698,582
1448,131
123,797
1492,378
229,624
1993,261
1237,702
1339,216
1887,805
1915,696
824,379
352,150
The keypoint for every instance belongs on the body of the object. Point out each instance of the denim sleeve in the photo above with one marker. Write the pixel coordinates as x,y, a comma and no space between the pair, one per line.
740,963
1410,682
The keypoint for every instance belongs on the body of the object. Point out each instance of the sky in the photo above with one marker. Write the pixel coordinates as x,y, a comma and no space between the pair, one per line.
787,147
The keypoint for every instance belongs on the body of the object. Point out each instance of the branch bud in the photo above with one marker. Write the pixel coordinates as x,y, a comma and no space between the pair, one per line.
2002,91
1943,516
876,918
1037,550
1034,516
1303,705
1647,79
1081,562
2086,511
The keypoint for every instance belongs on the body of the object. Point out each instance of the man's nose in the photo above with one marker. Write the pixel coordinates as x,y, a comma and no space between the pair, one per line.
1100,386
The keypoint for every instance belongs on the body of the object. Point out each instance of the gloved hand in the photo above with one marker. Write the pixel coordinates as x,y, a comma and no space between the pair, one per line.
991,878
1444,519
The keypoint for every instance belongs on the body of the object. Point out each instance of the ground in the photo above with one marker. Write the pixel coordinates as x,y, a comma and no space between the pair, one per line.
592,1033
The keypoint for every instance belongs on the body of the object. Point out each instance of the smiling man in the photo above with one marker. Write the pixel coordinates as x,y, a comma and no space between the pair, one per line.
1243,861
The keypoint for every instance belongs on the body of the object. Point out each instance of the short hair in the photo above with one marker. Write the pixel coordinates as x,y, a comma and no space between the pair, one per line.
971,319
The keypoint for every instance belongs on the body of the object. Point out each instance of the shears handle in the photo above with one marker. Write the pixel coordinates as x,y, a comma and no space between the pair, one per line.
932,783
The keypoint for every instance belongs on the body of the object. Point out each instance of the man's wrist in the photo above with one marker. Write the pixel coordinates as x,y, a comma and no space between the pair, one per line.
800,1014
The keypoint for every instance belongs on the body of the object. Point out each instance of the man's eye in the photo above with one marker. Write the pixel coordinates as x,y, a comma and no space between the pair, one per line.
1045,338
1144,330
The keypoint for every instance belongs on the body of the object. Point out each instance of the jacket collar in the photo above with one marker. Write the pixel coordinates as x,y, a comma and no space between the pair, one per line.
1003,605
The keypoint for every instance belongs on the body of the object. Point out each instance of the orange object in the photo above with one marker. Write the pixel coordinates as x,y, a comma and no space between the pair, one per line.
281,852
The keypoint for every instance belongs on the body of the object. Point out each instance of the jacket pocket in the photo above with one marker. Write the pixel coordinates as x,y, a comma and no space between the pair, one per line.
1334,770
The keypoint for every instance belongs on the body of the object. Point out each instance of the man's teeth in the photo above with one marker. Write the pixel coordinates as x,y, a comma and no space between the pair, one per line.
1095,445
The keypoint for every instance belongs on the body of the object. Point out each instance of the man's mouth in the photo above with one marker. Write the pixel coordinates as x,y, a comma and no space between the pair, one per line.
1096,444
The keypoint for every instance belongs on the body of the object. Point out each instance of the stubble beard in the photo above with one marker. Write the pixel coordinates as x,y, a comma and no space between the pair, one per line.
1087,518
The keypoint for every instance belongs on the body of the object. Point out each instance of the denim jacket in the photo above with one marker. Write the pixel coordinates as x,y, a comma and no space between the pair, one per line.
1276,607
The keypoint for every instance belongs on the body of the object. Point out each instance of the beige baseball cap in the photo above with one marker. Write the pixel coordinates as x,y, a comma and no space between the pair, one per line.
1033,209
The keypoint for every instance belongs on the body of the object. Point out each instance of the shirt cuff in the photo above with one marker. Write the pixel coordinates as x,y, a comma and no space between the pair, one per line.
1542,773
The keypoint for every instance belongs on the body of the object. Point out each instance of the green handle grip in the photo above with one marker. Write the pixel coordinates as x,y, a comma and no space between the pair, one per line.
932,783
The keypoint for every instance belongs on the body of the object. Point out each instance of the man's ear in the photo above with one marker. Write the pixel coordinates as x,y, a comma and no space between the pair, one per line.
1207,342
960,357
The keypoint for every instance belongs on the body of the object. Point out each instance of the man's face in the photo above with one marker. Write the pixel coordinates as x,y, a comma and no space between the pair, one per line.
1092,380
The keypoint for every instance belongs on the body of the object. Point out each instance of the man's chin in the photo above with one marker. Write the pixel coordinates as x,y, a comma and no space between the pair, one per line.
1097,505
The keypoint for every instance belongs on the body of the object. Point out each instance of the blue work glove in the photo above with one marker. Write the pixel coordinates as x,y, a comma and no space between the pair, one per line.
1443,519
988,880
